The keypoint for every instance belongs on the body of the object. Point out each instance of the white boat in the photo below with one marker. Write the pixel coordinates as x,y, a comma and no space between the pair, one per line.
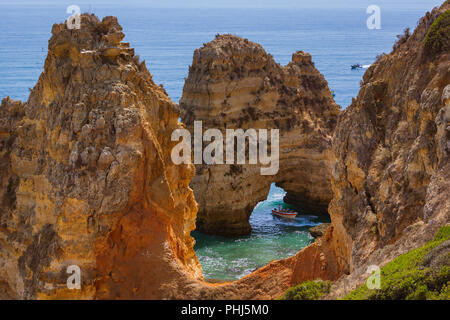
284,213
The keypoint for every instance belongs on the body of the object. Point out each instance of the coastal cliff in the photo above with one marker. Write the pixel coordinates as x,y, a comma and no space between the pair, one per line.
391,175
391,171
87,179
86,176
233,83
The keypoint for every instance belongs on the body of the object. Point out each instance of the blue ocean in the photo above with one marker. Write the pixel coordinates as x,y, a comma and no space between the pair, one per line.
167,37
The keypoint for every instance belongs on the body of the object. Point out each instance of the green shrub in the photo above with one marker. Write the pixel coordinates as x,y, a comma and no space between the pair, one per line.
402,38
309,290
442,234
437,39
422,273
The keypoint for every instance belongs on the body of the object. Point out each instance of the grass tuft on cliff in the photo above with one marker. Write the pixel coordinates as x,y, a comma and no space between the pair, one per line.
421,274
437,39
308,290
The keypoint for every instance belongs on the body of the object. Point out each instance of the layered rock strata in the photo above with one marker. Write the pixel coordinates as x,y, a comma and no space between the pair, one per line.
88,185
233,83
391,177
87,179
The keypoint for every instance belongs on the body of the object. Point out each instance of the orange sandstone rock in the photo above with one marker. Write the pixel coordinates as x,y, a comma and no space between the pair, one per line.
87,179
233,83
391,178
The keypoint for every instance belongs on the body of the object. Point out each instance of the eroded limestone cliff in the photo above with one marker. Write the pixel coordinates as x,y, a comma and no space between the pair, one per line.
87,180
86,176
233,83
391,177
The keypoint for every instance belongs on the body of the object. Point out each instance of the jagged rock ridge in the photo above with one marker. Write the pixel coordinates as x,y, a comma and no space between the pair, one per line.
76,189
391,177
87,178
233,83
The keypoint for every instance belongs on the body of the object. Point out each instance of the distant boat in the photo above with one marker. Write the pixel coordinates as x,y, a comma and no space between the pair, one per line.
356,66
284,213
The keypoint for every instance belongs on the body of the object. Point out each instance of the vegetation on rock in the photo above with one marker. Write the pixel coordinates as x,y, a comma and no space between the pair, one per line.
402,38
437,39
422,273
309,290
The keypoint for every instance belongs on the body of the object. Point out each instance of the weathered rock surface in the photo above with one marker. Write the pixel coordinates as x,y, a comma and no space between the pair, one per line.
391,179
233,83
86,176
319,230
87,179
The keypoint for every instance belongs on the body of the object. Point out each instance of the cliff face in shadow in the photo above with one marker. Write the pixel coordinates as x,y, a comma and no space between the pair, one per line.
233,83
86,176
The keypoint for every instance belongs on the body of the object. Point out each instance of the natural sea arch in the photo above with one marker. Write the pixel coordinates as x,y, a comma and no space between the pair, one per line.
234,83
272,238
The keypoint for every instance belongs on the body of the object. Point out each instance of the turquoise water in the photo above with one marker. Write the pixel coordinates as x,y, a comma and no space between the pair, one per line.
272,238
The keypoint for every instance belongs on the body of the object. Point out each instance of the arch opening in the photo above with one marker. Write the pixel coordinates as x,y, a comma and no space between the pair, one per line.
271,238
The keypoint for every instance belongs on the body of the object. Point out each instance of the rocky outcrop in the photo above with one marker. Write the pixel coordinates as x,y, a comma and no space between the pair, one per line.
391,178
87,179
319,230
233,83
86,176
